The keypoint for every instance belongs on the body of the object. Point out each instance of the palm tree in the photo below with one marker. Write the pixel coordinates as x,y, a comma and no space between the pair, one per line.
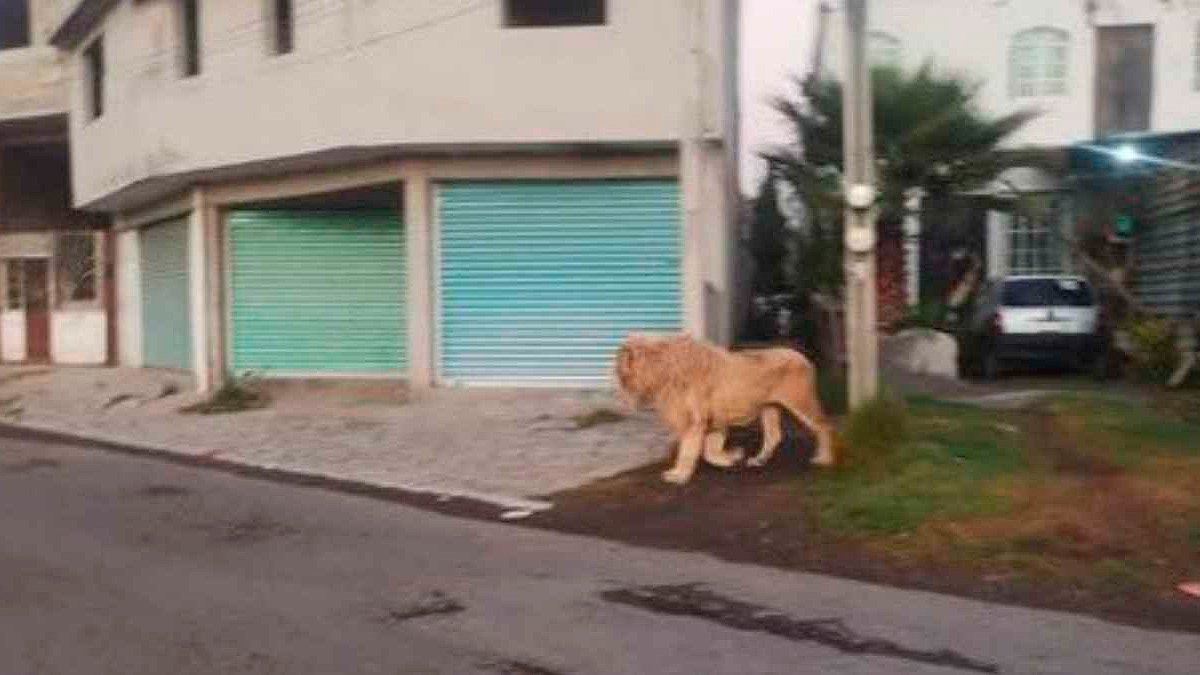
928,134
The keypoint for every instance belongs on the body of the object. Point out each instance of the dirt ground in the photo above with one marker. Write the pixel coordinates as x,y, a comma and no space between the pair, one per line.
1080,529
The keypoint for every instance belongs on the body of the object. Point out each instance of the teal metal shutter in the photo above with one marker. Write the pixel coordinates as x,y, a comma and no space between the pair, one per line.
541,280
318,292
166,304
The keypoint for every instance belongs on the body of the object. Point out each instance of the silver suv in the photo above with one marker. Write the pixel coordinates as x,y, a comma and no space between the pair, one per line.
1044,318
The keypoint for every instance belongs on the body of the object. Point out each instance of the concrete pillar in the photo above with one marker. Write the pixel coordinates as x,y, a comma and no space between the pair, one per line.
718,238
129,297
213,221
419,228
198,273
999,227
692,183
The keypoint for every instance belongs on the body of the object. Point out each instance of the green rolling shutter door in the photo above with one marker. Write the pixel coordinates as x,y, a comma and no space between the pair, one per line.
166,306
319,292
540,280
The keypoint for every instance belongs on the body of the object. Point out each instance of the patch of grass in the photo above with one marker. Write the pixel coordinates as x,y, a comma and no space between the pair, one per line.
910,463
1118,577
1187,528
238,394
597,417
832,390
877,427
1132,432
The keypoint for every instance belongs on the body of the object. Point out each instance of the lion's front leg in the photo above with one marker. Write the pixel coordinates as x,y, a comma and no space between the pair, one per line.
690,446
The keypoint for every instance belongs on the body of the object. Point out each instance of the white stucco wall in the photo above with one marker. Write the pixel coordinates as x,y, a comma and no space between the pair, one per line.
129,299
972,37
33,79
368,73
12,335
79,337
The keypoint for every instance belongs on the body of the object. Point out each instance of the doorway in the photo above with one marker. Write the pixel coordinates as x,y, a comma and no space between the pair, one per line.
29,293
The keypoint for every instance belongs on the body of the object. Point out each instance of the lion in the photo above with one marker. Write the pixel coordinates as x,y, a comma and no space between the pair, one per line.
700,390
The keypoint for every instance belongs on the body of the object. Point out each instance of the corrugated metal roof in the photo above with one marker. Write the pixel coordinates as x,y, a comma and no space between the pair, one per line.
1167,248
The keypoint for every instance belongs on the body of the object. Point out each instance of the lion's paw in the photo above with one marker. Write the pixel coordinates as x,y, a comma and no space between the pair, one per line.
726,458
676,477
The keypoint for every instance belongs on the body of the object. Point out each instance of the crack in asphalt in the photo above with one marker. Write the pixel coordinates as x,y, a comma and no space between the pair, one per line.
32,465
694,600
433,604
519,668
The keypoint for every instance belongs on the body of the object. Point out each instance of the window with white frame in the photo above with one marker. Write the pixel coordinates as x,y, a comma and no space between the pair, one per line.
1035,244
1037,62
883,49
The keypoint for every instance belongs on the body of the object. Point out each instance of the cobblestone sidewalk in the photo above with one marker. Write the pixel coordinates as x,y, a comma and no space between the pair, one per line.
503,446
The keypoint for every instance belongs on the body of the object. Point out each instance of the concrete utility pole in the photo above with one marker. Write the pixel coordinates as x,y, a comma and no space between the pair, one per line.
912,245
860,194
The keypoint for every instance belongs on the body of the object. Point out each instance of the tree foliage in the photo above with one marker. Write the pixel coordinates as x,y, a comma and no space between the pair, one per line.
928,133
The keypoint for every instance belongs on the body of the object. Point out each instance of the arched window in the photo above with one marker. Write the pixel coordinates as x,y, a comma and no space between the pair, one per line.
1037,62
883,49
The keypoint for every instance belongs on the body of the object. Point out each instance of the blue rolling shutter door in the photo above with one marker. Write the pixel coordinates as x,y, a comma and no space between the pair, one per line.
540,280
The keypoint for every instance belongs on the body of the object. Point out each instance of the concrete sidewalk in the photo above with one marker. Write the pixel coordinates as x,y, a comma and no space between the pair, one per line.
496,445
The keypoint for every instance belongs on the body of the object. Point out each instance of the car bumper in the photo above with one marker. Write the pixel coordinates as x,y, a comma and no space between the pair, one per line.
1049,346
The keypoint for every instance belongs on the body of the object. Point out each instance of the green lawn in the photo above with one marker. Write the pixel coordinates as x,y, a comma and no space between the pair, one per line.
1099,493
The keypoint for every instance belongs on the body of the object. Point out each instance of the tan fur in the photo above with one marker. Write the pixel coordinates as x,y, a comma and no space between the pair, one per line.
700,390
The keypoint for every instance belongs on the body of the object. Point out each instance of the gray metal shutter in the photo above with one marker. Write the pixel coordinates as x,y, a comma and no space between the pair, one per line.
166,296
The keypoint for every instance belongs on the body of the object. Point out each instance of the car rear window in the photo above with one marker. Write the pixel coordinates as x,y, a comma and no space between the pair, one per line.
1047,293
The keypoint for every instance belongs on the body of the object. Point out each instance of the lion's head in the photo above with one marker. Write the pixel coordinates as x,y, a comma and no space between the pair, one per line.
638,370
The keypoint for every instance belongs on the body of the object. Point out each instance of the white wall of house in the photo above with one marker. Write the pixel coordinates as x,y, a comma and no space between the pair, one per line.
129,299
12,336
78,332
368,74
79,337
973,37
33,78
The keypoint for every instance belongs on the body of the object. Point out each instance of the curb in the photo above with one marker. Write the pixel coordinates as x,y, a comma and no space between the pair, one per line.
455,502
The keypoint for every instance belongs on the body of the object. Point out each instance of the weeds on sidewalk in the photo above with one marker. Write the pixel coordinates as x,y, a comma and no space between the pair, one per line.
597,417
238,394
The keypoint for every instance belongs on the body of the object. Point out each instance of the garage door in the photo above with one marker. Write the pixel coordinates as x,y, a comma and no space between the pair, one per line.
166,306
317,292
541,280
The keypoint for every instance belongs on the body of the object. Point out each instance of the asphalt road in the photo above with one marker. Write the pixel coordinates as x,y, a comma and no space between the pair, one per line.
130,566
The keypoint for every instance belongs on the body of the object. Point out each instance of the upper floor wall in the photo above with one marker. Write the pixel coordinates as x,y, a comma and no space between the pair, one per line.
151,99
33,79
1046,55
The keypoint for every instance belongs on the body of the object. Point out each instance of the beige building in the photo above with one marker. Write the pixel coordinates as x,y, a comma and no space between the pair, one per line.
486,192
56,293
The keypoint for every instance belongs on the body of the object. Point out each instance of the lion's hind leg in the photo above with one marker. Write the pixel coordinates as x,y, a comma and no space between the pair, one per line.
715,452
772,426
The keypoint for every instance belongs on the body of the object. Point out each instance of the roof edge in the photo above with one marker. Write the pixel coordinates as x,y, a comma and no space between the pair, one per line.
77,23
